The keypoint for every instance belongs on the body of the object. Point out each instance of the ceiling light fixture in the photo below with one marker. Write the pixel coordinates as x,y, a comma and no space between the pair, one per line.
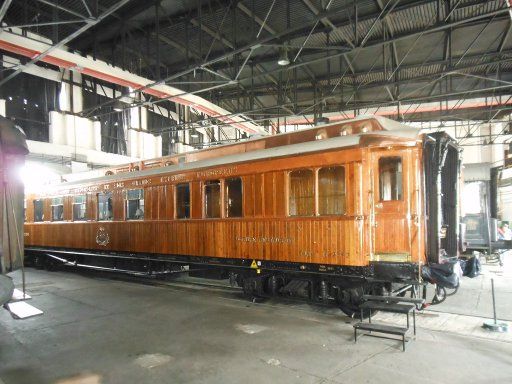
117,106
283,57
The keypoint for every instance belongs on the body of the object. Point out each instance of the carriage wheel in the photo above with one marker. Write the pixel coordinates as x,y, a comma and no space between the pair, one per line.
350,299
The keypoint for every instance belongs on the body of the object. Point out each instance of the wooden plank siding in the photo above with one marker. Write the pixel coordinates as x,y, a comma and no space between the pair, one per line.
265,232
317,240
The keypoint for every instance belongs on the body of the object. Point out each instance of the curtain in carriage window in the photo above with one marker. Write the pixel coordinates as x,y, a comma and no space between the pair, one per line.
79,208
212,199
135,204
390,178
57,209
105,207
38,210
233,197
302,193
331,191
183,201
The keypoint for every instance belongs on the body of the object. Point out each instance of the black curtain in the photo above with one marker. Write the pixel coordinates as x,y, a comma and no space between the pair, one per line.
28,100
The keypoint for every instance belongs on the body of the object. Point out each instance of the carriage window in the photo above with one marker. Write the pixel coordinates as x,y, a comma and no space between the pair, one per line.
390,178
38,210
135,204
79,206
233,197
105,211
183,201
331,191
212,198
302,193
57,209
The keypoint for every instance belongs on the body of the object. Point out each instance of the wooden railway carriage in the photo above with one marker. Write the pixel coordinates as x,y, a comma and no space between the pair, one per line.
325,213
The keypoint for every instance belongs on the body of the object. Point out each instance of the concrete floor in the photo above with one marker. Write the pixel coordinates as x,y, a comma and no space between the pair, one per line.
96,330
474,298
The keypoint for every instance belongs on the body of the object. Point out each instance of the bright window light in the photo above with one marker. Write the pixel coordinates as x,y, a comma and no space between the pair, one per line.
63,98
35,175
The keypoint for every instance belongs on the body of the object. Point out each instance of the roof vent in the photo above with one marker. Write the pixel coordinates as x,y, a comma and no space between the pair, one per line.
321,120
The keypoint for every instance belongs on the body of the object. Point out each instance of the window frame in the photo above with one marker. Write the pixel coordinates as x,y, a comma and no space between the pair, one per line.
402,189
315,192
221,198
34,210
108,193
126,200
73,203
176,208
225,209
52,205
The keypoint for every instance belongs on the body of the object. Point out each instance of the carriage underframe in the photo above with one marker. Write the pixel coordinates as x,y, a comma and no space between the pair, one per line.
342,286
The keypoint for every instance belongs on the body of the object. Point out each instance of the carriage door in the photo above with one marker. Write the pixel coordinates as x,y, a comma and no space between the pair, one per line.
391,232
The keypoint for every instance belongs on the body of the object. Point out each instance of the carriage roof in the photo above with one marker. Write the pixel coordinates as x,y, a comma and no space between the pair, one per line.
362,131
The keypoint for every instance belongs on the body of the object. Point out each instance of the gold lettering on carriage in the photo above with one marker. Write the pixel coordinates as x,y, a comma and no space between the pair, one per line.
138,183
93,188
217,172
167,179
251,239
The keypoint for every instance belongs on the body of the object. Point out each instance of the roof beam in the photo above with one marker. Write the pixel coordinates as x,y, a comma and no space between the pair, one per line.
327,23
89,24
4,8
493,59
505,38
258,21
438,27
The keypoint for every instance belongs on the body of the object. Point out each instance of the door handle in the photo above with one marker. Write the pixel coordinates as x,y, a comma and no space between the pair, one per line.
378,205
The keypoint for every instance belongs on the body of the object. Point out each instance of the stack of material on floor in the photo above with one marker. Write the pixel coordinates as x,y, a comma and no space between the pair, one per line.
19,308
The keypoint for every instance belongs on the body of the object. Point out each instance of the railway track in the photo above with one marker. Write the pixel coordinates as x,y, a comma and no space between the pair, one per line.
220,288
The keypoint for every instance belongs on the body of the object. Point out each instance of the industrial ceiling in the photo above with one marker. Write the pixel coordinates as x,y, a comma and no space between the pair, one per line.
412,60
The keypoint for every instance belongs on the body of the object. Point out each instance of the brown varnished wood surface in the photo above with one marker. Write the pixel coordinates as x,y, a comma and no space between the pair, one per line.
265,232
316,240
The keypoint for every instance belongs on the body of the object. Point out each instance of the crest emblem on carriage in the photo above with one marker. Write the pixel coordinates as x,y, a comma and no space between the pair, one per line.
102,237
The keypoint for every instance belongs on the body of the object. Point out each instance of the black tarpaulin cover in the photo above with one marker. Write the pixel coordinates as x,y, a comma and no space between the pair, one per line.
13,149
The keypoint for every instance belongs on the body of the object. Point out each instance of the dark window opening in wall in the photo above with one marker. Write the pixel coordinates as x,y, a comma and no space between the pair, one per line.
57,209
196,138
79,207
113,138
183,201
113,123
135,204
212,199
105,209
390,178
234,199
29,100
302,193
38,210
162,126
331,191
